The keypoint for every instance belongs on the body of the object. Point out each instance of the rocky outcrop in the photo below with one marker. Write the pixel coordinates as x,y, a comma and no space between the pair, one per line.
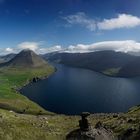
83,123
35,79
92,134
88,132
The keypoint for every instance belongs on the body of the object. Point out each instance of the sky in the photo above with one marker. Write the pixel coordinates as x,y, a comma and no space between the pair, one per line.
69,25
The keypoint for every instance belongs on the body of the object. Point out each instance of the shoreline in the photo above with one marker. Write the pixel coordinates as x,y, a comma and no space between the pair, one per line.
100,72
31,81
98,114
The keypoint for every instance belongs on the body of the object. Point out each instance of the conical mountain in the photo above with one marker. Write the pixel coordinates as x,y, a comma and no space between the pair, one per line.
26,58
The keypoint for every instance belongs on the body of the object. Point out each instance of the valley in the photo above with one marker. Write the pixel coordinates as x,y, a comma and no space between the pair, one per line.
20,118
69,70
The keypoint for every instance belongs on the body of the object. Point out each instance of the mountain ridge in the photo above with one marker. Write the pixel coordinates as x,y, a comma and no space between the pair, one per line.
110,63
6,58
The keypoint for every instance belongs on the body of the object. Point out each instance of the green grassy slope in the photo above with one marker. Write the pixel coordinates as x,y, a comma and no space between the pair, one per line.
14,126
17,126
12,78
126,125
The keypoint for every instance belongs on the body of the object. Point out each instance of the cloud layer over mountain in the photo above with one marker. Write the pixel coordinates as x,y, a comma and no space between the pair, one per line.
123,46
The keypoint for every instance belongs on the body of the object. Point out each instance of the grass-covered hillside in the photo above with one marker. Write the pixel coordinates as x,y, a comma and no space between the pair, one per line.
14,78
15,126
17,72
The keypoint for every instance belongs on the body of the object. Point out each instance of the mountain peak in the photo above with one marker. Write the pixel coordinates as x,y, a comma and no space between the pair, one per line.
27,51
26,58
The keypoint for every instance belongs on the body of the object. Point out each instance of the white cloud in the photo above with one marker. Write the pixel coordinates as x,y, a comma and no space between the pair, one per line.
38,47
122,21
122,46
82,19
81,48
9,50
4,51
29,45
35,46
50,49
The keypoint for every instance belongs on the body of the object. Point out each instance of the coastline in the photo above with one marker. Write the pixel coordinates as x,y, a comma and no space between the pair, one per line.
31,81
100,72
47,76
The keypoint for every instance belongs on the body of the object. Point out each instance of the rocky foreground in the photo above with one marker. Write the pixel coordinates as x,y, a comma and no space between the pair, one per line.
88,132
17,126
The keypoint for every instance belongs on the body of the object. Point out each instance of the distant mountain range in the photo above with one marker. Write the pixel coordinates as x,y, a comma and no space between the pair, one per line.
107,62
25,59
6,58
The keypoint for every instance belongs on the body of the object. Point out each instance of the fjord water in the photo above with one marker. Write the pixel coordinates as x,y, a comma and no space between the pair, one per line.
74,90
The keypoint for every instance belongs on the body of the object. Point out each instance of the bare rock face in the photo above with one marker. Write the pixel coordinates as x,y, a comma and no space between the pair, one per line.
87,132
